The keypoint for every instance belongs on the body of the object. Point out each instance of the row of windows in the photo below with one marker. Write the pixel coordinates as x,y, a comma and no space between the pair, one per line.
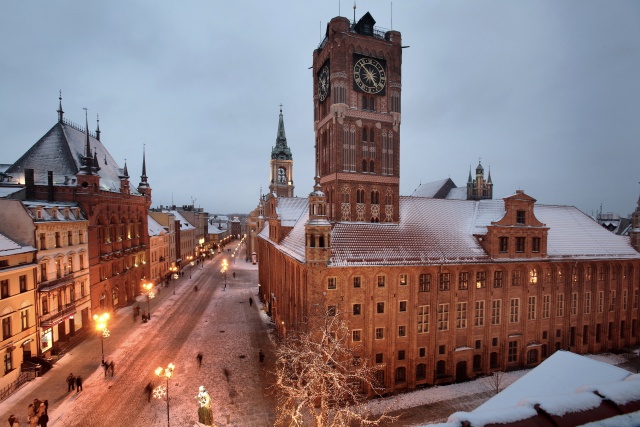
7,331
4,286
518,277
58,242
520,244
60,268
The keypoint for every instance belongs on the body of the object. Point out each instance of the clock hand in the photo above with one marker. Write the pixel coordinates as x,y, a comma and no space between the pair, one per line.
370,75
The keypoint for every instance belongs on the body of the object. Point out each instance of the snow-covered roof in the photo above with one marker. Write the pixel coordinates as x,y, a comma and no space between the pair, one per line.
290,209
445,231
7,191
431,189
9,247
54,211
560,374
155,229
458,193
61,150
184,224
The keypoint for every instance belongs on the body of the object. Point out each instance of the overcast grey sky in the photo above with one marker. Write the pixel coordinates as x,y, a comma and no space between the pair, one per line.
547,93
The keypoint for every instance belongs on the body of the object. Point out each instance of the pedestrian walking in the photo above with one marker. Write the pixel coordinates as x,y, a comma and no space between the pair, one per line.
71,381
43,417
13,421
261,356
250,301
234,274
148,389
105,365
31,416
78,384
199,357
112,368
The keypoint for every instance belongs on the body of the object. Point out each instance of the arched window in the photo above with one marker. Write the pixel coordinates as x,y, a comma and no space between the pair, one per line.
364,165
401,375
371,164
532,356
364,134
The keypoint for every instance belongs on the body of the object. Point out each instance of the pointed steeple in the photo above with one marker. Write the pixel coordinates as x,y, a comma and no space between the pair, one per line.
125,173
489,176
98,127
88,161
60,112
470,180
143,187
281,151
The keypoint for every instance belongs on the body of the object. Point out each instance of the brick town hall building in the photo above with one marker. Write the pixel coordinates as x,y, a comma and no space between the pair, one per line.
434,289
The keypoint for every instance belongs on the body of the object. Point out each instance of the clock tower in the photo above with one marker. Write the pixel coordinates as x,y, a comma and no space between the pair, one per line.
357,85
281,174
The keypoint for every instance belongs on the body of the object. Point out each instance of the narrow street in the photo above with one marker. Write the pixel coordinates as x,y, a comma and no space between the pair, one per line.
219,323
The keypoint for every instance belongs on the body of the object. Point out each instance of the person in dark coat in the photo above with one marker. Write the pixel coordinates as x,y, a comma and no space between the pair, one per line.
250,301
106,368
261,356
71,381
112,368
148,389
43,417
199,357
78,384
12,420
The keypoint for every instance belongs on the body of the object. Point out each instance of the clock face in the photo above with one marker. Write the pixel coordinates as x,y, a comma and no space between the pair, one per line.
323,83
369,75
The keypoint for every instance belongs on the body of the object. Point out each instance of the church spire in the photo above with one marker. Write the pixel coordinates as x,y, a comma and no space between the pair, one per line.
281,151
143,187
98,127
88,161
60,112
126,172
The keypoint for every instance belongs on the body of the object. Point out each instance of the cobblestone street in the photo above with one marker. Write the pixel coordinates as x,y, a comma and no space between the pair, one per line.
215,321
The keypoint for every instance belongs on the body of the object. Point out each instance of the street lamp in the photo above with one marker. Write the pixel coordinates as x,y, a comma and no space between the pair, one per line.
101,326
225,267
190,268
174,271
161,392
148,290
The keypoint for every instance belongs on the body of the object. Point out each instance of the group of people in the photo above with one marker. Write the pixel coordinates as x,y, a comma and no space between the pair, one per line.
109,368
37,414
74,383
136,313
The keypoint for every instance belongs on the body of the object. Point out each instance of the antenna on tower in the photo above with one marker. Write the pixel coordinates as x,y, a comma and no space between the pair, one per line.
354,11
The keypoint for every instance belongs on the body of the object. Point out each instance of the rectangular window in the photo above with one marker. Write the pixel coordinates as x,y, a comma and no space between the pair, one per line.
504,244
357,309
636,294
422,352
402,331
24,319
481,279
402,306
443,317
401,355
6,328
531,308
497,279
516,278
379,333
8,362
535,245
380,307
513,351
356,335
600,301
520,217
624,299
598,332
424,283
479,314
404,279
444,282
612,300
331,310
560,305
4,288
332,283
514,310
381,281
379,358
496,306
463,280
587,303
357,282
23,283
461,315
533,276
574,304
69,238
423,319
520,241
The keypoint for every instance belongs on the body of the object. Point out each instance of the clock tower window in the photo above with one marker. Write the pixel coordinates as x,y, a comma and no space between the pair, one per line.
368,103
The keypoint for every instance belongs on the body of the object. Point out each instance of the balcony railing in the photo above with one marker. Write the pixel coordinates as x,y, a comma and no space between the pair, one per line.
54,317
50,285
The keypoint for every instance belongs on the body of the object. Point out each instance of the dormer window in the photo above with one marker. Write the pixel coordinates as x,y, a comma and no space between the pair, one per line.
520,217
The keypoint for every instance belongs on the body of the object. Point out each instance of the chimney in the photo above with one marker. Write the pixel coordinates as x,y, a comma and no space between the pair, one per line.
50,185
29,183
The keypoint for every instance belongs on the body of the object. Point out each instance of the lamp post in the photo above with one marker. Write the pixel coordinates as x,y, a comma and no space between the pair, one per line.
190,268
174,275
164,372
148,290
225,267
101,326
